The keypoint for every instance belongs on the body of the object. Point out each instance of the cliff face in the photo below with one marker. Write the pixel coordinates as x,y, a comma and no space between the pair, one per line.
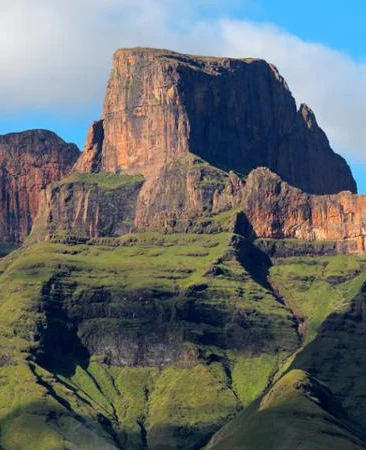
28,162
183,123
184,197
187,189
236,114
193,196
277,210
90,159
88,206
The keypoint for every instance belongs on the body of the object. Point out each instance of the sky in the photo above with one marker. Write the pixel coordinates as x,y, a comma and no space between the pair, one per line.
55,56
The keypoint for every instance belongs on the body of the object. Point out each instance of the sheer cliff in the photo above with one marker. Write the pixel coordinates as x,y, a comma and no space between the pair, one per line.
29,161
196,129
235,114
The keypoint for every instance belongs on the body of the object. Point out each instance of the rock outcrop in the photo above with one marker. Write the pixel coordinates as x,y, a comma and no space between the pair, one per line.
90,159
29,161
87,207
237,114
277,210
184,197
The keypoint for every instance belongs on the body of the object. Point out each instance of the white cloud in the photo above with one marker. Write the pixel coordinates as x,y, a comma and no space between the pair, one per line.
56,55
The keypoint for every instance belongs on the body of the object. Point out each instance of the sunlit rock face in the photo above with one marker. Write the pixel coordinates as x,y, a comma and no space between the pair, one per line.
29,161
197,130
277,210
237,114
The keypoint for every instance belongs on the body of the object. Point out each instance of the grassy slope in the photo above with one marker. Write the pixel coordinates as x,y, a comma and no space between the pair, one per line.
99,405
297,413
181,406
315,287
327,294
106,181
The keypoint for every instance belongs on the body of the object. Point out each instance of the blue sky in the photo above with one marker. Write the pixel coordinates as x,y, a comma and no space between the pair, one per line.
56,56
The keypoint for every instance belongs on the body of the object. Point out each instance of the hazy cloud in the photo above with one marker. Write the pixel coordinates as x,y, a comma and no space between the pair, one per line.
56,55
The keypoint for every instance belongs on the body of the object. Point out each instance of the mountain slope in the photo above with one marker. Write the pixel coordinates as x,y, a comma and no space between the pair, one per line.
297,412
157,341
144,338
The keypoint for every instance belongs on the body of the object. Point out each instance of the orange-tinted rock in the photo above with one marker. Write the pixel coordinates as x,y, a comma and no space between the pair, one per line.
235,114
162,109
29,161
277,210
186,191
90,159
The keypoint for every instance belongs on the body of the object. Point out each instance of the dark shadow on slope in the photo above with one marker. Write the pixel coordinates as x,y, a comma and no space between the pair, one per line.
337,357
296,412
254,261
60,350
50,418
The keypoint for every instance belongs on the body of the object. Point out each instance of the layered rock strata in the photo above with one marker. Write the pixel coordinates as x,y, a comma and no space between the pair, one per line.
200,198
277,210
187,194
87,208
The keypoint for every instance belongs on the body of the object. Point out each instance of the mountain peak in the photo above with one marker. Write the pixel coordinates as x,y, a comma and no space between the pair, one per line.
237,114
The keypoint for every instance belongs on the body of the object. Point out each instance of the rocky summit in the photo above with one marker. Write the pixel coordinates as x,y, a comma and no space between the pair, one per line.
236,114
196,280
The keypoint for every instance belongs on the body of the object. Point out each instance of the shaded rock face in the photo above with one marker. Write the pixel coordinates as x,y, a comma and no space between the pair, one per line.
29,161
277,210
187,189
236,114
86,210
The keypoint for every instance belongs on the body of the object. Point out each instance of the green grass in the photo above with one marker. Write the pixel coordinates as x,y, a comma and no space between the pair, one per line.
197,397
186,401
226,334
314,287
105,180
297,412
251,375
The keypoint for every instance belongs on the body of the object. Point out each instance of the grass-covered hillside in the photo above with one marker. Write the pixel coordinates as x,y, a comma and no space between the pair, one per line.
146,341
159,341
317,399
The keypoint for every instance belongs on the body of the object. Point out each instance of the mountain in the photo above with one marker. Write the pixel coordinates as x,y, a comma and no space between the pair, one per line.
235,114
29,161
186,286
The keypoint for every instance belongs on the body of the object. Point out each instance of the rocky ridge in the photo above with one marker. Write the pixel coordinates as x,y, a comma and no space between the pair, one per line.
277,210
